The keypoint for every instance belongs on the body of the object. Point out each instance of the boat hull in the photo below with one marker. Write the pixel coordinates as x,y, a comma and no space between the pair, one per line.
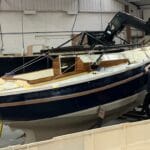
82,120
74,98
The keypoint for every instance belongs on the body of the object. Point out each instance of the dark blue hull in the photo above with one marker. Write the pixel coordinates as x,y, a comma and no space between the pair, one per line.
73,98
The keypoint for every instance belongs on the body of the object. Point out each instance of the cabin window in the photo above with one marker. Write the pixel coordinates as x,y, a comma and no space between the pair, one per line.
67,64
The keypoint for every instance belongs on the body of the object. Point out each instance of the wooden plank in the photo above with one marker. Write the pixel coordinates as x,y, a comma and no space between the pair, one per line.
56,66
110,63
82,67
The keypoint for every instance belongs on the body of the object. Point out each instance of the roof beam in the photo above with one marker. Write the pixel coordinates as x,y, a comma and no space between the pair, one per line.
125,2
133,1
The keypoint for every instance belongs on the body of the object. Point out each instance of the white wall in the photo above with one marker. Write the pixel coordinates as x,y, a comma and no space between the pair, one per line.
93,15
61,5
146,14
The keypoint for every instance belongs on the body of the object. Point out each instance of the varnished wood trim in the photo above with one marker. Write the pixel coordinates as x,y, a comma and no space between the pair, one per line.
74,95
110,63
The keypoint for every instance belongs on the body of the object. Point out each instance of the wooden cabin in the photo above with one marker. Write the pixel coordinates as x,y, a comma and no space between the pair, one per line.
61,67
70,65
65,66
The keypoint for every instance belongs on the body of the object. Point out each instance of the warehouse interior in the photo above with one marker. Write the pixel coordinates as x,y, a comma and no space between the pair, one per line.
29,27
46,23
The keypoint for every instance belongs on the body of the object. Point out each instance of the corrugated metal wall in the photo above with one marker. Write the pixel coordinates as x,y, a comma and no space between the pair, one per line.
52,16
100,6
61,5
38,5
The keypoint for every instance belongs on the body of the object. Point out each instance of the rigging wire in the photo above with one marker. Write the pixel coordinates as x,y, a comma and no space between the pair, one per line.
27,64
38,58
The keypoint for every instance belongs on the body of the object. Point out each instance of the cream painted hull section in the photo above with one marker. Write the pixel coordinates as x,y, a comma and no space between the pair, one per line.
82,120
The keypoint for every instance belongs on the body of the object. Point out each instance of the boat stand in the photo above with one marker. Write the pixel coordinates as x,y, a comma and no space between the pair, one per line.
140,113
46,128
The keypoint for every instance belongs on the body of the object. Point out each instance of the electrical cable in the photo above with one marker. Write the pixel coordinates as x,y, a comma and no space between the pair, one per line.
22,28
75,19
101,14
1,36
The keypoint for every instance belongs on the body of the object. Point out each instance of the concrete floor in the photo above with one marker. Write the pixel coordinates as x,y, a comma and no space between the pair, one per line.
10,137
13,137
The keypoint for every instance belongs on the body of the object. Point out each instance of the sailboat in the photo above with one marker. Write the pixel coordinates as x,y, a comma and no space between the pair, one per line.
72,86
77,90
